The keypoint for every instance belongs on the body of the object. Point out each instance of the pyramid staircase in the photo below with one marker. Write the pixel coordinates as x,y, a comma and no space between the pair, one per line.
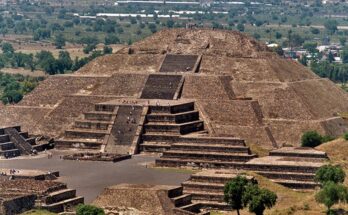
89,132
178,133
179,63
183,204
14,142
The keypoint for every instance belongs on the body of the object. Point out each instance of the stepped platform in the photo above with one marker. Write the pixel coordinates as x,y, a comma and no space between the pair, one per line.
14,142
90,131
179,63
291,167
207,187
207,155
163,199
50,194
161,86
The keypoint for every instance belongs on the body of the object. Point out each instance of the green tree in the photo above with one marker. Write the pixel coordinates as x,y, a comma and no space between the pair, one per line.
345,136
7,48
310,46
331,26
240,27
331,194
344,55
311,139
59,41
89,210
343,41
330,57
107,50
111,39
329,173
65,61
170,23
234,191
258,199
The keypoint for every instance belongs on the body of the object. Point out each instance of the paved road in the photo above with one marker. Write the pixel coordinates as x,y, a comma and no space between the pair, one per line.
90,178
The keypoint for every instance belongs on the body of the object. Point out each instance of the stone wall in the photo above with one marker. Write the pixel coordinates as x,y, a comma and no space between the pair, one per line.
16,204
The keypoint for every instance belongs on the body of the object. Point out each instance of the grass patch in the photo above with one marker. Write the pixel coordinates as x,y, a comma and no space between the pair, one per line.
38,212
257,149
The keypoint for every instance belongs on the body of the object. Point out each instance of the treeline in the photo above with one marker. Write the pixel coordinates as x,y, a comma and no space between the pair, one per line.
14,87
333,71
45,60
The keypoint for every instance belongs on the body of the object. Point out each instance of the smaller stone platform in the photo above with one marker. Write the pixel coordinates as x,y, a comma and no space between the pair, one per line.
48,194
293,167
97,157
149,199
207,188
14,142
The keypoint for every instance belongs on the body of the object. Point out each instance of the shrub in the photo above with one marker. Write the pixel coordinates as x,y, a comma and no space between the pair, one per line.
331,194
89,210
311,139
326,138
330,173
345,136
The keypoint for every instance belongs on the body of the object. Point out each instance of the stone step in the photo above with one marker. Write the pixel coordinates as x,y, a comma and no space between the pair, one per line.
78,143
209,179
92,124
10,153
204,155
178,162
172,109
174,118
174,192
298,154
287,175
60,206
169,137
4,138
85,133
280,168
31,140
104,107
205,196
214,205
203,186
24,134
160,137
184,199
294,184
154,147
210,147
7,146
98,115
59,196
183,128
192,207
